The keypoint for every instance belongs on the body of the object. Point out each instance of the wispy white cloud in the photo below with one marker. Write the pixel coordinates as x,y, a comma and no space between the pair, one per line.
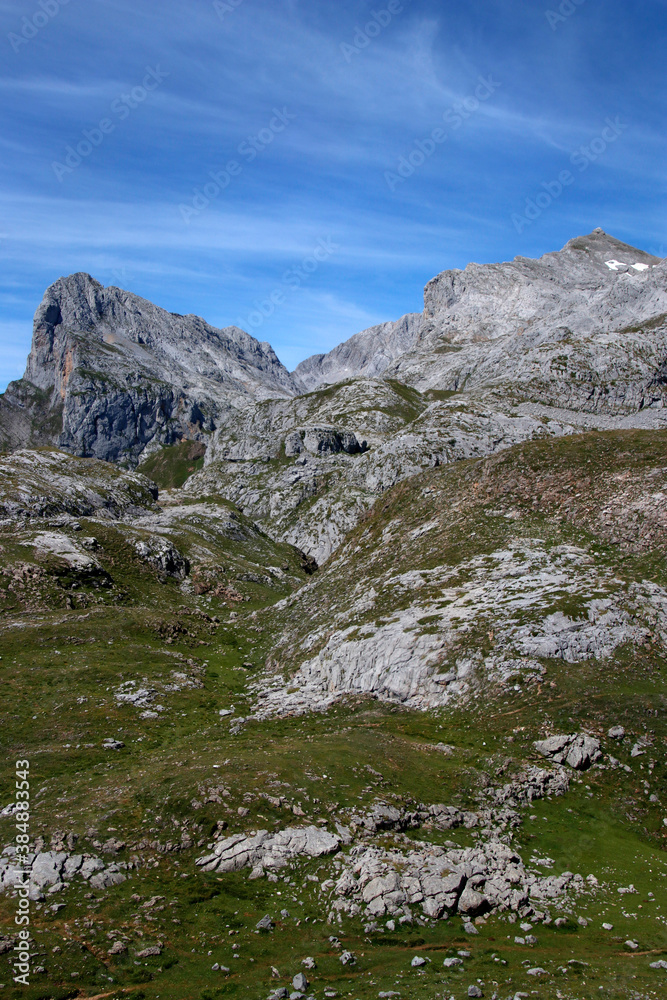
118,216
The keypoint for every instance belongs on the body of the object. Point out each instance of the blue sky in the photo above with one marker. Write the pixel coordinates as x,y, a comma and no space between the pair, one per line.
171,92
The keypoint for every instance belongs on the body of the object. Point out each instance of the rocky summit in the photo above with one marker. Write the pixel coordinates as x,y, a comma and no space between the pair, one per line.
349,681
112,376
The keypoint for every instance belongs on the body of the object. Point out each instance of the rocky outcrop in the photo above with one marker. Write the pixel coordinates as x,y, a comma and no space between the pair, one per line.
271,851
51,871
410,653
38,484
579,751
323,441
435,883
163,556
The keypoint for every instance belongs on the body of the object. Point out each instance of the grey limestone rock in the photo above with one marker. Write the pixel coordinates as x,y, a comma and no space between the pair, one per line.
471,903
273,851
579,751
151,952
110,374
367,353
163,556
503,353
50,871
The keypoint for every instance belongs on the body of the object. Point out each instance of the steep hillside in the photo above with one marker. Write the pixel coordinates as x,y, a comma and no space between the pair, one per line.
449,776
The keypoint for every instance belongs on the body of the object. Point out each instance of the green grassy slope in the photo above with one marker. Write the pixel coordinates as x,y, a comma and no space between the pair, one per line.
187,770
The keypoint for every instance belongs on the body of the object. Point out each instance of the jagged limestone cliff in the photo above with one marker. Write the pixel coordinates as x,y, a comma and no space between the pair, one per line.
114,377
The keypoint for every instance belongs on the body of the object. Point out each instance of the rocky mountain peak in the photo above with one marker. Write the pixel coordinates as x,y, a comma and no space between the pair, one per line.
110,374
113,376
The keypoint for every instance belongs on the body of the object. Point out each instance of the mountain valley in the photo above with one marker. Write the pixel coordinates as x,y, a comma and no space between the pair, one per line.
409,602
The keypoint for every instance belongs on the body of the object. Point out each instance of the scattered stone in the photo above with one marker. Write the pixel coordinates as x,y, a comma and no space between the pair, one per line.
474,991
632,945
451,963
265,924
616,733
118,948
417,962
300,982
660,964
151,952
347,958
608,927
111,744
537,972
309,963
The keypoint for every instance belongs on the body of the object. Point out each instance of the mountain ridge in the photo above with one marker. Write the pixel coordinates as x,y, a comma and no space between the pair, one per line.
574,340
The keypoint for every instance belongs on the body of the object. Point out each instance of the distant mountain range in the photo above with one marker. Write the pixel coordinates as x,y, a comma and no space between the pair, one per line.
501,353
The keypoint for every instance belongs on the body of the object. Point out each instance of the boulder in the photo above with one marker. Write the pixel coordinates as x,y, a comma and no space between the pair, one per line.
579,751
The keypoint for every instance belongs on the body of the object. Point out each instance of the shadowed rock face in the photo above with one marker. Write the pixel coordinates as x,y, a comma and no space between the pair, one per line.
110,375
